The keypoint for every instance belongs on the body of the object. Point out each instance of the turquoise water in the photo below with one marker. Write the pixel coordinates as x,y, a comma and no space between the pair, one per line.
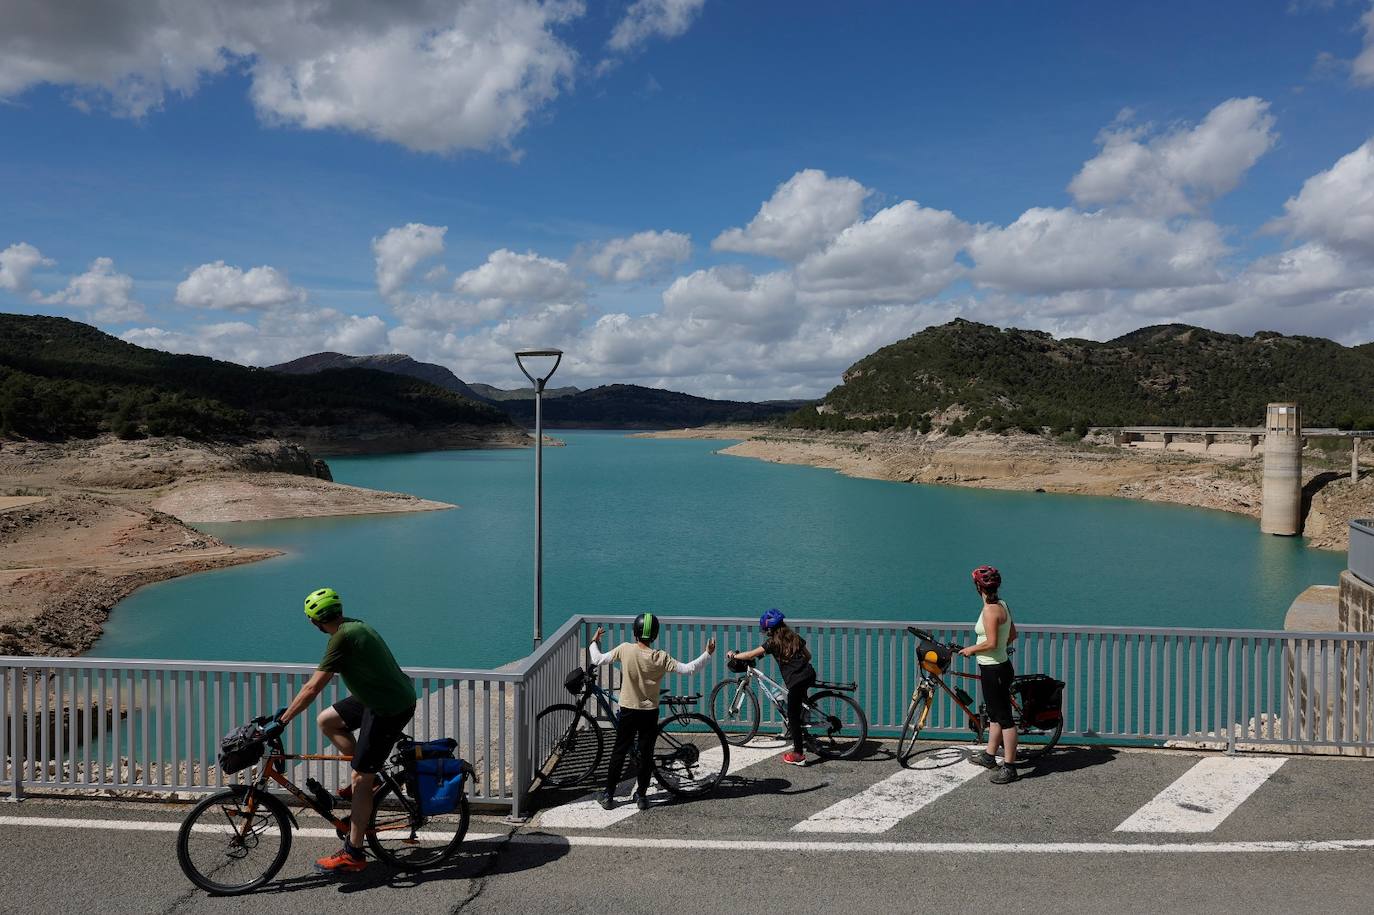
669,525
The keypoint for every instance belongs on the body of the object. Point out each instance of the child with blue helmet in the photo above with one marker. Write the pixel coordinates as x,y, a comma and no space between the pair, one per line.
798,675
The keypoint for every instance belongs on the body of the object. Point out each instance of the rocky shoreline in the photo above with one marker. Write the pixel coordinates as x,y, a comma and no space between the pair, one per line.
85,524
1033,463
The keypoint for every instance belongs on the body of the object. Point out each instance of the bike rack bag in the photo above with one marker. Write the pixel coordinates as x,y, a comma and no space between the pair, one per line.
1041,699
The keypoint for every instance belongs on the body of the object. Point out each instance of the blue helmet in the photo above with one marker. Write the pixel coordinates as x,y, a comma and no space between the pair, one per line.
772,619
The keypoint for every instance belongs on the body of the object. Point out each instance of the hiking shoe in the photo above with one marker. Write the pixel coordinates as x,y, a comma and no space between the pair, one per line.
1004,774
641,801
606,801
342,861
983,758
793,758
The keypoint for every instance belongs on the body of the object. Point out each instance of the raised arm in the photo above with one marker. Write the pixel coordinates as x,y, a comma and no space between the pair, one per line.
594,648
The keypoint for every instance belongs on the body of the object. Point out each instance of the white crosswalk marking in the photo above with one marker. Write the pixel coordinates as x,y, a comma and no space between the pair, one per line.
586,813
885,804
1203,796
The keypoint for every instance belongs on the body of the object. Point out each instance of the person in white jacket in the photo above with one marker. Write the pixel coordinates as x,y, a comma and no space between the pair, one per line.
642,669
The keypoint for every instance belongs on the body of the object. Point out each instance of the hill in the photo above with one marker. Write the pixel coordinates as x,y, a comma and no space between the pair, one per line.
60,379
495,395
395,363
630,406
965,375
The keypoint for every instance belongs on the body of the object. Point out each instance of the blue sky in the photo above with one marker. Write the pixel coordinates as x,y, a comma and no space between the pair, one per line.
732,199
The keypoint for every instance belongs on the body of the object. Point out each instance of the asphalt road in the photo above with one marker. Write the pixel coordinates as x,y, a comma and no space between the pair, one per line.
1253,835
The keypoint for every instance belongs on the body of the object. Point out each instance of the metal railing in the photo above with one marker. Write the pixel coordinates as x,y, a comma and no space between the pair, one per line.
98,724
1361,554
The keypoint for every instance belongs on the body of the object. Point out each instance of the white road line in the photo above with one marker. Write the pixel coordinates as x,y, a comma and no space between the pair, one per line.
586,813
884,804
1203,796
898,848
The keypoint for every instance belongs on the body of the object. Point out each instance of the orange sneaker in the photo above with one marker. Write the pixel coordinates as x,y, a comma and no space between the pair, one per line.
794,759
342,861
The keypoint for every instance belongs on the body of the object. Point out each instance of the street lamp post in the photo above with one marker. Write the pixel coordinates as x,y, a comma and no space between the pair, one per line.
538,382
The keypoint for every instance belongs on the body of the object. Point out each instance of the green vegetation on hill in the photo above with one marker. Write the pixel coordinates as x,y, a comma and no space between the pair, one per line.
1166,375
630,406
61,379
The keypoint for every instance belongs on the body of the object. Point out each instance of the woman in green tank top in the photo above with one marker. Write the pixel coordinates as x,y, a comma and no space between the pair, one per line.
995,632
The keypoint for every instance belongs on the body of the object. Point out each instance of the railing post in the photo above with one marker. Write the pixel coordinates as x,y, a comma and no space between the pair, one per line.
16,731
521,768
1231,723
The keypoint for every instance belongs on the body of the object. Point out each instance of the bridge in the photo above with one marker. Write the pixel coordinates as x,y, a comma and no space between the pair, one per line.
1227,441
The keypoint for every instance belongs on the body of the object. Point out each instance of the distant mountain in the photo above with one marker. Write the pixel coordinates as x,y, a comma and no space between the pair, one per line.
496,395
629,406
61,379
969,375
395,363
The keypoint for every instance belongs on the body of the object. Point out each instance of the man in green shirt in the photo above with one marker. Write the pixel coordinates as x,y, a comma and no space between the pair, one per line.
380,704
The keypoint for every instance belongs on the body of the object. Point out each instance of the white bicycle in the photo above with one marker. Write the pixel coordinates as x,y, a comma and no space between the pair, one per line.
833,724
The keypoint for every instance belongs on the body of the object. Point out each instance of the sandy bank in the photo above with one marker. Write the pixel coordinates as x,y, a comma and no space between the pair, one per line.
1031,463
271,496
84,524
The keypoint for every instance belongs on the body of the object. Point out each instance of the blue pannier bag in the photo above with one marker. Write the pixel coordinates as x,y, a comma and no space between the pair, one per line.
440,784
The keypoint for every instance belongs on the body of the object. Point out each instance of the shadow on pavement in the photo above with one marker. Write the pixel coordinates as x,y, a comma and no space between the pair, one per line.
1066,759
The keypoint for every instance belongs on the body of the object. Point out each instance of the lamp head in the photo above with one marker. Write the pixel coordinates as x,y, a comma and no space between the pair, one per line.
537,380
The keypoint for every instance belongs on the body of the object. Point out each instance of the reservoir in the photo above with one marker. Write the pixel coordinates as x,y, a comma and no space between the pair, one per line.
671,526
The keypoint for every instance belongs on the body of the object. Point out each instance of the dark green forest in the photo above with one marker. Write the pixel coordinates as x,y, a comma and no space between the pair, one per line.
1165,375
620,406
62,379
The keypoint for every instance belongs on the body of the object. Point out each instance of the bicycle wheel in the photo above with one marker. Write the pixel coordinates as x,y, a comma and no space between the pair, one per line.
403,837
835,725
736,710
570,744
690,754
234,841
917,714
1049,736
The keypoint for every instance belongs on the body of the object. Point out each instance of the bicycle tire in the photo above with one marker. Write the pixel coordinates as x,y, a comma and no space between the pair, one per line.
218,838
575,744
407,839
917,714
747,718
1031,751
845,725
678,764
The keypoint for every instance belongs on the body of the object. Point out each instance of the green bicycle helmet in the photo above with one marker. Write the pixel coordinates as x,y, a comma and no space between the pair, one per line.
324,604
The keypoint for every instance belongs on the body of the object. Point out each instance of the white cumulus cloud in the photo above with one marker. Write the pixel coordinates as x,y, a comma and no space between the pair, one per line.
400,250
17,263
1362,68
511,279
222,286
1055,250
431,75
102,293
1336,206
1180,170
805,212
639,257
647,19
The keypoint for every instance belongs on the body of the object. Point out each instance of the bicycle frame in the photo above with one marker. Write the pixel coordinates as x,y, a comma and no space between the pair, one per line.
274,770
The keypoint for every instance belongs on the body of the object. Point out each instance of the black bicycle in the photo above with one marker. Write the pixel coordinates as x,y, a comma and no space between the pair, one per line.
690,754
1037,715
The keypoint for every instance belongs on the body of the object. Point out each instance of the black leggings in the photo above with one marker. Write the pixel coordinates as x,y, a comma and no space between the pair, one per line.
996,682
633,723
796,695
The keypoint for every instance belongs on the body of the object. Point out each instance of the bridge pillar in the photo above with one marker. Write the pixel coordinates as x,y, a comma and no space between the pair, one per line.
1355,459
1281,496
1207,439
1167,438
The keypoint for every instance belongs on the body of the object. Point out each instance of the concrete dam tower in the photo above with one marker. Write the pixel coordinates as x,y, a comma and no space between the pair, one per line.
1281,508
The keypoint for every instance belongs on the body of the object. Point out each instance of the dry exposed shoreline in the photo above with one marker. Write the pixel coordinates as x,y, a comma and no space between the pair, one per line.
85,524
1031,463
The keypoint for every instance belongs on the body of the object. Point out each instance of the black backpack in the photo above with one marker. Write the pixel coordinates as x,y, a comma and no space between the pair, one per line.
240,748
1041,698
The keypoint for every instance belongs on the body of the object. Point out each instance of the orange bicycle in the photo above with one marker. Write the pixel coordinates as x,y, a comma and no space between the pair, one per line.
1037,714
236,840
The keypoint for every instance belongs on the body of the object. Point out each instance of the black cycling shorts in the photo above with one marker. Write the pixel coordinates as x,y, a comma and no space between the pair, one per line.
377,734
996,681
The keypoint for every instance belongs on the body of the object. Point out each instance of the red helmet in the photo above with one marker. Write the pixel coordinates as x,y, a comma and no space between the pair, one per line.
987,578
